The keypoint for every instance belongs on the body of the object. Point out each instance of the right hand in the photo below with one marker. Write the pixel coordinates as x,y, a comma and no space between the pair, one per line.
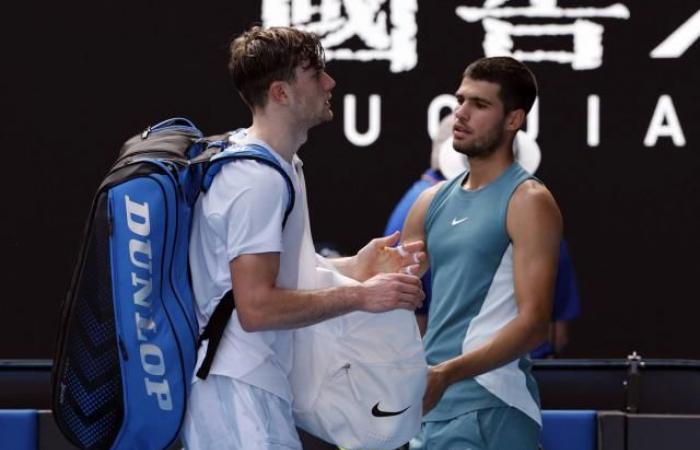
388,291
437,384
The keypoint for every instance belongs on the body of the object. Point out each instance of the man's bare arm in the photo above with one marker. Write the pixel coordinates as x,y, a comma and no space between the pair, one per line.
414,225
534,225
414,230
263,306
380,256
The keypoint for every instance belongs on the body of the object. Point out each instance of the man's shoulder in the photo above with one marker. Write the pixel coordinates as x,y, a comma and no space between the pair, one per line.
249,173
532,193
425,198
428,194
533,205
245,184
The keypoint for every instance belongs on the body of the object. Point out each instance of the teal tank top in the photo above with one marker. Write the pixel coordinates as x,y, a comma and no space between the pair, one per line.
473,294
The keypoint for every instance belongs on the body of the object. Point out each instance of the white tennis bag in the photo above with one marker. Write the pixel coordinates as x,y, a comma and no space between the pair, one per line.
358,380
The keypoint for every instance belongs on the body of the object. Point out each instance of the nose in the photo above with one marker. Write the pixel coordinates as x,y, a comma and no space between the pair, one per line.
461,112
328,81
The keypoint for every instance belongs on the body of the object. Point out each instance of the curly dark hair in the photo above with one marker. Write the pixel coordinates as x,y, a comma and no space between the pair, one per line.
517,82
260,56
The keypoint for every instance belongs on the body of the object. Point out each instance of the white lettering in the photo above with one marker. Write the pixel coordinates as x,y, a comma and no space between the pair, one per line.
587,52
593,134
140,255
141,296
143,323
533,120
137,217
680,40
387,28
162,391
664,123
439,103
136,248
350,116
155,355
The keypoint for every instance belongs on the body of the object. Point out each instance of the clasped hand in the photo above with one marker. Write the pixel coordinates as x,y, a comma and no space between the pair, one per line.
381,255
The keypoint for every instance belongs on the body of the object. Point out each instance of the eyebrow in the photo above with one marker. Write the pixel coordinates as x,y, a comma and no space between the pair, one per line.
474,98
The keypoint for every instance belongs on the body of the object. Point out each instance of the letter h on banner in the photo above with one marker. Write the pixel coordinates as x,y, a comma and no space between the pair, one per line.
386,28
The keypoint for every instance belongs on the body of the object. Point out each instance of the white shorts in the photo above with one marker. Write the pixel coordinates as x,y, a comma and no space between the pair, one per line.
227,414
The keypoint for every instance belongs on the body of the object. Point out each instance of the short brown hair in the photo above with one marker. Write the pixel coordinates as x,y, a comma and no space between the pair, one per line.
517,82
260,56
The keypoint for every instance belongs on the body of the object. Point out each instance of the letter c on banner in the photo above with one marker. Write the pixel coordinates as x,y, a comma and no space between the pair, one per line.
444,101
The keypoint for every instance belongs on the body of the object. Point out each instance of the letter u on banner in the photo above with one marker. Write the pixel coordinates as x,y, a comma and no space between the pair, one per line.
350,122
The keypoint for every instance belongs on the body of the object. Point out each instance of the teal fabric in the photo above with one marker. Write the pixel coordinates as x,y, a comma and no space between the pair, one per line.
502,428
466,239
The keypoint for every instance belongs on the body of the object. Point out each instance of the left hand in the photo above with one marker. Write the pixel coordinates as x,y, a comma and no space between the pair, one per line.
380,256
437,384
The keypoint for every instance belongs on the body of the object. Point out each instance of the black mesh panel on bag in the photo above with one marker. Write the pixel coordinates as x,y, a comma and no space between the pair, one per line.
90,402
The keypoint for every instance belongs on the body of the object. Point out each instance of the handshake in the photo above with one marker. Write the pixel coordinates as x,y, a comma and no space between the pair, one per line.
389,274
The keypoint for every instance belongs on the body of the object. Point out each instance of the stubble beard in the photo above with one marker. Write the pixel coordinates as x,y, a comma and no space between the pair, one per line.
484,146
317,118
323,116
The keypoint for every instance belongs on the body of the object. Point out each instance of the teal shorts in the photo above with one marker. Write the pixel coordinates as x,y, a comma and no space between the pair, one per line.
502,428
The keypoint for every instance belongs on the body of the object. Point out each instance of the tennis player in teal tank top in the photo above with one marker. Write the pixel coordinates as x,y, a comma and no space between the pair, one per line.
492,237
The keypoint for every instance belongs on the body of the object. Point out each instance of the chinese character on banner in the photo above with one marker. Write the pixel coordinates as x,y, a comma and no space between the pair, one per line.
587,52
386,28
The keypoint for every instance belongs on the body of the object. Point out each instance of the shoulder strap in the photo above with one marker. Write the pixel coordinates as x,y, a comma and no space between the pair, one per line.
249,151
214,329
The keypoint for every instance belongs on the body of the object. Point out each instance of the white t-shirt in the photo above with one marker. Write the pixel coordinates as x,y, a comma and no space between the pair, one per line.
242,213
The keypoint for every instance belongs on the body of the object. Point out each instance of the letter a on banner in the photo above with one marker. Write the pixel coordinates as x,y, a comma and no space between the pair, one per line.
664,123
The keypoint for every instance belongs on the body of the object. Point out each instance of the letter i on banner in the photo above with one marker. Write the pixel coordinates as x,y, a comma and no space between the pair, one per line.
593,134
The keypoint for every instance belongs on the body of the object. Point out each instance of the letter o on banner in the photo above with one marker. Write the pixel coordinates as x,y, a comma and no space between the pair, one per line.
152,359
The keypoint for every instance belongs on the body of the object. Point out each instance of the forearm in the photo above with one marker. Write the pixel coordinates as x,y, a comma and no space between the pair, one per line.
517,338
261,305
381,256
274,308
348,266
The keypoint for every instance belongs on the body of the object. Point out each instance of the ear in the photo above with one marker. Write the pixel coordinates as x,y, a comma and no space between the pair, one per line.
277,92
515,119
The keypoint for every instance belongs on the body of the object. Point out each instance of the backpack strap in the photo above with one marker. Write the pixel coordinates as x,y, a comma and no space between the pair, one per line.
248,151
214,329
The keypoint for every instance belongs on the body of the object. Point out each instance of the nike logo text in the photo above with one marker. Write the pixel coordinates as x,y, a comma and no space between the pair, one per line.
376,412
457,221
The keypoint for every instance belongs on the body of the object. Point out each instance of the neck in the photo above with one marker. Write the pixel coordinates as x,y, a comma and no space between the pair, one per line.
282,135
483,171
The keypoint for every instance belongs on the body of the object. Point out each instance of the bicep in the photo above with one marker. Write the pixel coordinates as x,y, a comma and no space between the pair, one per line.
414,226
252,277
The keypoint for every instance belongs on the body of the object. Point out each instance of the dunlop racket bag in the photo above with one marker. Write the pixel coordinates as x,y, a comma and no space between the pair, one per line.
128,335
127,342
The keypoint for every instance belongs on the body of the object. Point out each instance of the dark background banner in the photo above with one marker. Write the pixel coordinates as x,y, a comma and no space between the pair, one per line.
80,77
